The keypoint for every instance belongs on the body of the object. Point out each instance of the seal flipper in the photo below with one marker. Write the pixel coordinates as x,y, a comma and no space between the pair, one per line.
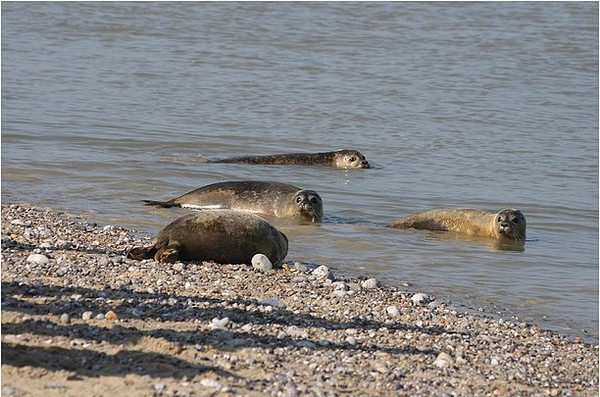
140,253
169,254
161,204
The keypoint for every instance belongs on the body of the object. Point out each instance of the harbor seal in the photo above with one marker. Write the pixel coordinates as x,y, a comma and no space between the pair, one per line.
505,224
343,158
222,236
267,198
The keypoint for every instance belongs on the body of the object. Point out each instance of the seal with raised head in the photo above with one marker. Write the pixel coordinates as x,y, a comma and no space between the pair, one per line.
343,158
259,197
222,236
505,224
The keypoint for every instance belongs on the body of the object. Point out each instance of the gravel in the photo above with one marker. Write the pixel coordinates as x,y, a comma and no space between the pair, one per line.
89,321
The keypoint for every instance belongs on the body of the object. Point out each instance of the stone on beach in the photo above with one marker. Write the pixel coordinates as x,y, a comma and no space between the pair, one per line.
38,259
261,262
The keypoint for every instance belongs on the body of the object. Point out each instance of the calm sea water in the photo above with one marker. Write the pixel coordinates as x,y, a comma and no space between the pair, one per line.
456,104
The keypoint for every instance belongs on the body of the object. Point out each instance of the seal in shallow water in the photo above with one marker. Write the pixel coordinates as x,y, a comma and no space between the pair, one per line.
343,158
506,224
268,198
222,236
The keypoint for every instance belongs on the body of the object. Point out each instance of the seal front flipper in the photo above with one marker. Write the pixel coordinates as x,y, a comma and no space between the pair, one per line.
140,253
169,254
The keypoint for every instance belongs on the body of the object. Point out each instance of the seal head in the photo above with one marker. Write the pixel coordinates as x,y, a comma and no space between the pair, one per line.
346,158
309,206
511,223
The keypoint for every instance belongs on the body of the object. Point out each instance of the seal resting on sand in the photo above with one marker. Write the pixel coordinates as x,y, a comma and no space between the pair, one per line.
505,224
222,236
268,198
343,158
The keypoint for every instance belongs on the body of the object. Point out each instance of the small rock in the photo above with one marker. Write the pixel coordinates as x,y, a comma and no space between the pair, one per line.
443,360
87,315
393,311
261,263
351,340
64,318
215,384
494,361
272,302
100,316
178,267
219,323
420,297
38,259
19,222
299,266
45,245
110,315
370,283
322,273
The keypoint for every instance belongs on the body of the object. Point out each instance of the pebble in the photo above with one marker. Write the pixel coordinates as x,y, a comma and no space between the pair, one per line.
300,267
272,302
261,263
215,384
420,297
322,273
87,315
443,360
19,222
38,259
370,283
110,315
217,323
392,311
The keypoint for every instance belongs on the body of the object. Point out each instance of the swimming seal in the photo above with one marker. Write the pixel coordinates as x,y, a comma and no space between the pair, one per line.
222,236
505,224
259,197
343,158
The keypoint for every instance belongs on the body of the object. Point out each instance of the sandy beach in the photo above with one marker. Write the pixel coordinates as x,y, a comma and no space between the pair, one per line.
80,319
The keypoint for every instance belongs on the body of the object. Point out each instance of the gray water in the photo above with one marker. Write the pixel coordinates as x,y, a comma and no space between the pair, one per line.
486,105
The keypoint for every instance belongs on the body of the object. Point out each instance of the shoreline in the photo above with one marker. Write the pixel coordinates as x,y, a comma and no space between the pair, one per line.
80,318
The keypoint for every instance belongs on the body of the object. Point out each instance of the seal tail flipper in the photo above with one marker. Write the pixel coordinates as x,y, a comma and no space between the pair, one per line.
161,204
140,253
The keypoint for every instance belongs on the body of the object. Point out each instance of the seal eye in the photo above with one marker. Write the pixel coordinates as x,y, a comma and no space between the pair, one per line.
499,219
314,200
352,159
299,199
516,220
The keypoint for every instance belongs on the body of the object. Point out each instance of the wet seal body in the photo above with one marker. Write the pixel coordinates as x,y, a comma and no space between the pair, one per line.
259,197
343,158
505,224
222,236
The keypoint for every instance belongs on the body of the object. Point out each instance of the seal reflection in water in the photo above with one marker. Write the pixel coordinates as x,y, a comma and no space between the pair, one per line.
506,224
222,236
268,198
343,158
